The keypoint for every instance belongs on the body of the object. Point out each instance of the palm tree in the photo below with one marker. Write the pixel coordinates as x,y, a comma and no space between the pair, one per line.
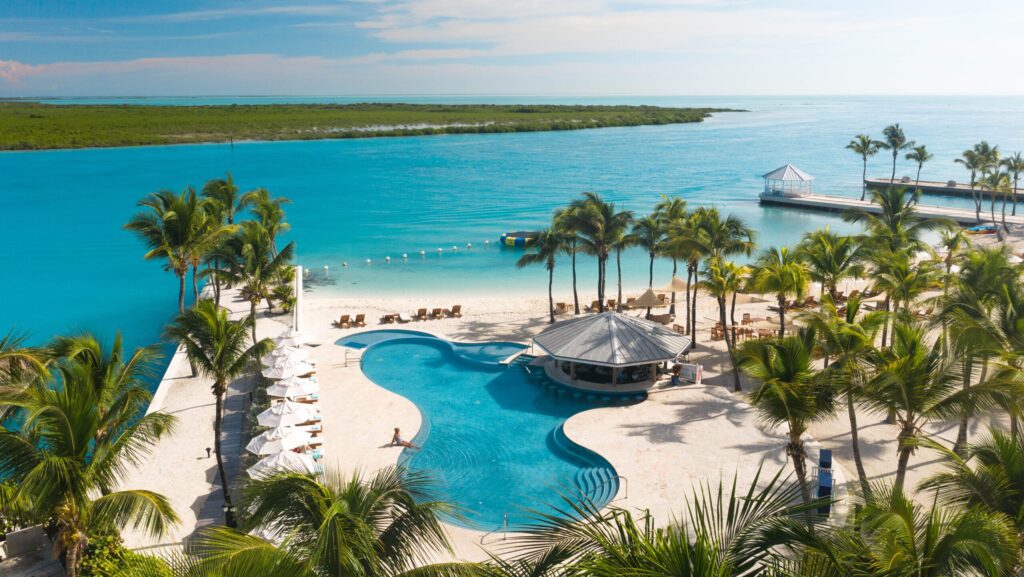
898,228
60,459
224,192
896,142
217,347
384,525
790,392
831,258
169,228
19,364
779,271
252,264
619,229
916,381
998,184
562,223
269,212
848,339
1014,165
919,155
976,161
598,226
894,535
548,244
649,234
865,147
989,476
721,279
671,213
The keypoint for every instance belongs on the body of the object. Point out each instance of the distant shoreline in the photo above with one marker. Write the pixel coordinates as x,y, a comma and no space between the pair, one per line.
36,126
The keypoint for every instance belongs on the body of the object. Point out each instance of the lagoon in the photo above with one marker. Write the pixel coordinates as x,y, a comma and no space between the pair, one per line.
69,266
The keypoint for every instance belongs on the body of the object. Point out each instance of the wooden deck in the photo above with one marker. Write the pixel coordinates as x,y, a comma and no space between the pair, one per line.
840,204
938,188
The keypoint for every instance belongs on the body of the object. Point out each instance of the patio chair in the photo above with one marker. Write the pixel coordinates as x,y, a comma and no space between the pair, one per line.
630,303
388,319
611,303
594,307
343,322
456,311
421,315
437,314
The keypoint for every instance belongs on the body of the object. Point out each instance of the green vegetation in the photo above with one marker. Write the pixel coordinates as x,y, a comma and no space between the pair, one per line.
33,126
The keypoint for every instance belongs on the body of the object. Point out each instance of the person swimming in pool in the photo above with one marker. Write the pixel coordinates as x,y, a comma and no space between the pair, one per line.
398,441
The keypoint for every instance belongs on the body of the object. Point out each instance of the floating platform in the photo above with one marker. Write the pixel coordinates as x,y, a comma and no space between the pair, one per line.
822,202
957,189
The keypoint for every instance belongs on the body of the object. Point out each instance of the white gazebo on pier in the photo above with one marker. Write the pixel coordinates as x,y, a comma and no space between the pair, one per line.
787,180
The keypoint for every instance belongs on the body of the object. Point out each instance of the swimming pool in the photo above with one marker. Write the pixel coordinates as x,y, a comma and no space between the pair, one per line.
491,433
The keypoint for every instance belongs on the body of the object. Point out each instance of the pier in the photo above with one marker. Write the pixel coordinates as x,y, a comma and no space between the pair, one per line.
949,188
828,203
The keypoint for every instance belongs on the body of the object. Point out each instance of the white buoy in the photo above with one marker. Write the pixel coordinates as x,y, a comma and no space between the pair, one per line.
440,250
455,247
368,261
487,242
405,255
344,263
423,253
469,245
387,259
325,268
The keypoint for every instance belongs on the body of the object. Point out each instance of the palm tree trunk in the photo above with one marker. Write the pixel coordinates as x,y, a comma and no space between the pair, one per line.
672,307
551,297
917,183
618,270
782,314
693,309
1014,213
252,313
732,311
905,449
218,423
575,295
689,274
650,272
1005,227
181,293
892,179
73,556
992,204
600,283
864,180
961,433
730,345
865,486
195,285
795,448
885,324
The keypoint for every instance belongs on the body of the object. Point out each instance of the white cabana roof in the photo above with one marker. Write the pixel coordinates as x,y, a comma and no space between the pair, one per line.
611,339
789,172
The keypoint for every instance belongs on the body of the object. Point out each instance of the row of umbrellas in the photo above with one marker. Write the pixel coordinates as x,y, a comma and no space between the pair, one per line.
650,298
285,365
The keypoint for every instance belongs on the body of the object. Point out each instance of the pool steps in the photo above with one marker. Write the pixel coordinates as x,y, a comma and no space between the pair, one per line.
596,480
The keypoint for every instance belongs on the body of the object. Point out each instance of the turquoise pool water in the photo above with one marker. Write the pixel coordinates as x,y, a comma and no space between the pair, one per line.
70,266
491,434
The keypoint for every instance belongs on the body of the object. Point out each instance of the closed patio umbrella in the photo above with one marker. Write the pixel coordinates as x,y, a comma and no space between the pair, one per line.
292,338
277,440
283,461
293,388
290,370
286,413
288,353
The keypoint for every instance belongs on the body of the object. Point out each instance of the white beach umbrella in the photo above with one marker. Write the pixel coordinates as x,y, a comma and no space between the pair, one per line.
289,353
293,388
292,338
283,362
277,440
283,461
286,413
288,370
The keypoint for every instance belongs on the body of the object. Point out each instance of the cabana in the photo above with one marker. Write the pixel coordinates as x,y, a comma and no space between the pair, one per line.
608,350
787,180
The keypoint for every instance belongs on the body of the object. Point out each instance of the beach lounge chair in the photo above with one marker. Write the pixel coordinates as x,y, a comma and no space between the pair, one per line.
611,303
662,297
360,321
679,329
456,312
437,314
403,318
560,308
388,319
343,322
421,315
594,307
630,303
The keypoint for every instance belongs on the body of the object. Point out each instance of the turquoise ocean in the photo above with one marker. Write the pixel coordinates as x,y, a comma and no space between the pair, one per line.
69,266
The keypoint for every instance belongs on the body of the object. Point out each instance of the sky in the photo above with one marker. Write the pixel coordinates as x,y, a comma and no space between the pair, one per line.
509,47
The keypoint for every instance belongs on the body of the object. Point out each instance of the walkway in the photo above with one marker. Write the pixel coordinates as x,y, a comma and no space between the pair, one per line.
841,204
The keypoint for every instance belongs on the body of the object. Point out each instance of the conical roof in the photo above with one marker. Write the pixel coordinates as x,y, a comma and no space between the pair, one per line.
611,339
788,172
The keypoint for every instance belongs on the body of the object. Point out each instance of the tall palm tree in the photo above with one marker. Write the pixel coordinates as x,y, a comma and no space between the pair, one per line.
168,227
19,364
598,226
831,258
219,349
619,230
649,234
61,461
548,244
919,155
269,211
790,392
723,278
387,525
976,160
563,223
894,141
916,381
225,193
899,227
847,340
1014,165
779,271
865,147
671,212
998,184
252,264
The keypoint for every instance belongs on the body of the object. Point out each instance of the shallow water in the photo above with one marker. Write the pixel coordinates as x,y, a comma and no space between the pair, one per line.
70,266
